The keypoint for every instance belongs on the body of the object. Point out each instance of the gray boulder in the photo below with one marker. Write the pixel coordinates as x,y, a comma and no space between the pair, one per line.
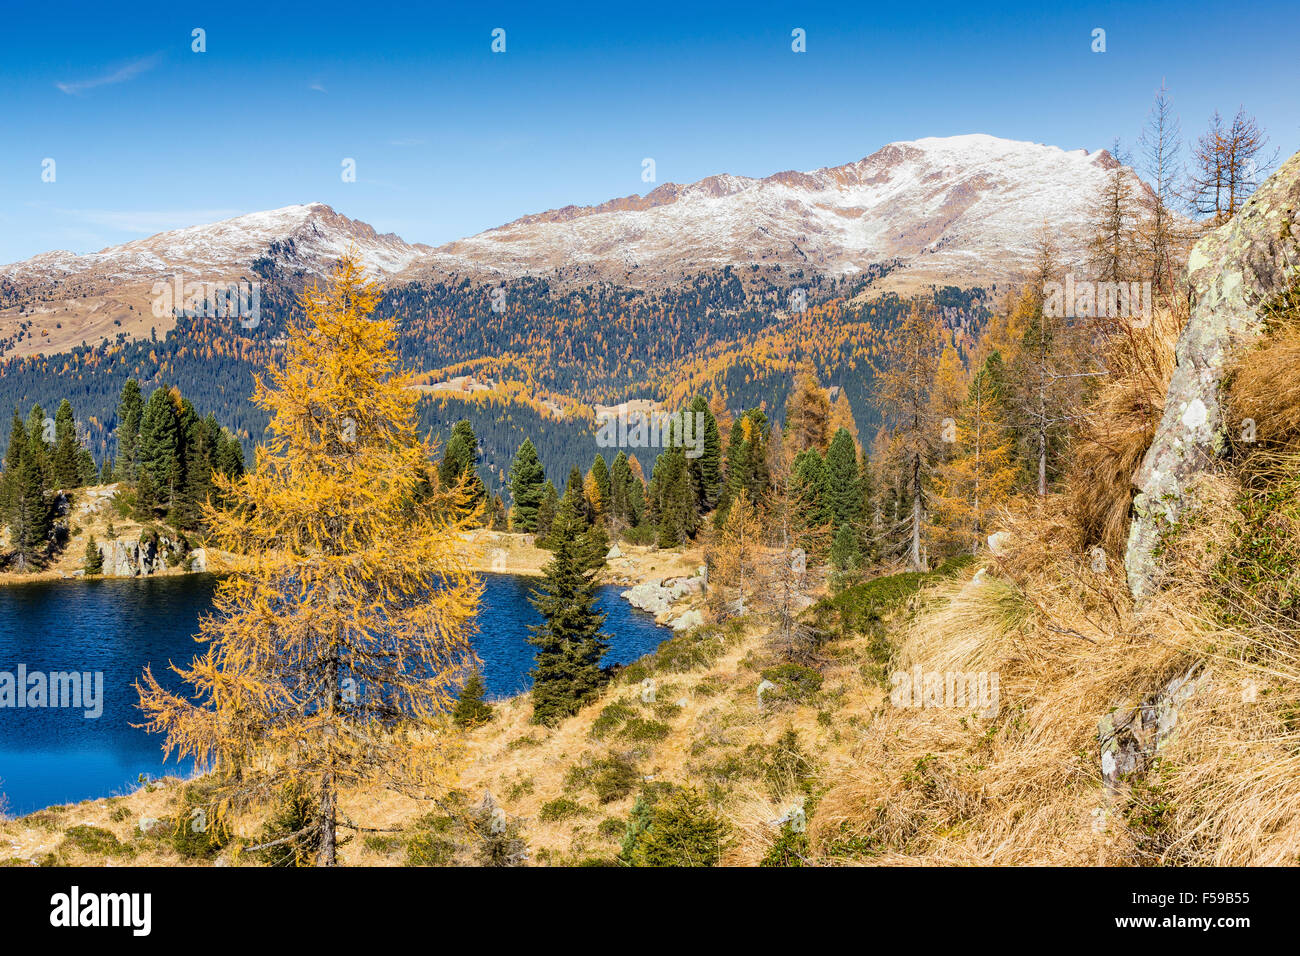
1232,271
1131,736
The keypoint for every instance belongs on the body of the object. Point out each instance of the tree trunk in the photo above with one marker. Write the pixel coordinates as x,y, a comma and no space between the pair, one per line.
1042,430
916,513
327,855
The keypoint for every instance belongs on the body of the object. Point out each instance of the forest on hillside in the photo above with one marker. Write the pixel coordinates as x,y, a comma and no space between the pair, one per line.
550,352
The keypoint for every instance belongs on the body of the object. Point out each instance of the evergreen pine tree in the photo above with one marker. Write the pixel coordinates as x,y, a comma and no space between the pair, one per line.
460,460
229,459
600,487
620,490
845,496
575,497
39,441
65,469
677,517
472,708
87,471
546,510
200,450
30,515
130,413
812,487
566,673
846,555
706,470
13,464
527,487
635,502
94,563
159,465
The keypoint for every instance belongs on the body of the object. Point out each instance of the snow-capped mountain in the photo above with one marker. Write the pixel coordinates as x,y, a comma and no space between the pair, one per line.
64,299
225,249
960,209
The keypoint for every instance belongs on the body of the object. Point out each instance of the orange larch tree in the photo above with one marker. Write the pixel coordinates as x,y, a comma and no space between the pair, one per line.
338,643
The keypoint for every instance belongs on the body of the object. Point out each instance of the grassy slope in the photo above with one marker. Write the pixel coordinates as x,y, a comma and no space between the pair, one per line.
572,788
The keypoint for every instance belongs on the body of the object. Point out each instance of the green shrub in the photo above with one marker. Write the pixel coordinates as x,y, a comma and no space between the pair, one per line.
195,832
383,843
614,778
680,829
520,788
472,709
611,828
790,849
432,841
641,534
794,682
611,778
429,849
94,841
635,672
611,718
788,765
561,808
640,730
694,649
296,809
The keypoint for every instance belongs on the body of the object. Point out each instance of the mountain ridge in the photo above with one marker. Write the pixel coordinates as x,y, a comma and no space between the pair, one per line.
959,210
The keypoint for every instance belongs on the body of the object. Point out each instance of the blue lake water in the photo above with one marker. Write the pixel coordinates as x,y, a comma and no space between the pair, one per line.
53,755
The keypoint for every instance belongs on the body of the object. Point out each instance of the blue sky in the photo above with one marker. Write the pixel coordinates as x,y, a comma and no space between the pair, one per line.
450,138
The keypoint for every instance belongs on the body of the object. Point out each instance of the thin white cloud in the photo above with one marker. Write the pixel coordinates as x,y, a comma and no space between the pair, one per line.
318,87
120,75
149,222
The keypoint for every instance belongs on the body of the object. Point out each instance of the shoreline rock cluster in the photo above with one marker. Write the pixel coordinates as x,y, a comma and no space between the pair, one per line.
658,597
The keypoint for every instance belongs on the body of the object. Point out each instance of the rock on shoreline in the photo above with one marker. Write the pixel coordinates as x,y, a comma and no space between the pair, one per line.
658,597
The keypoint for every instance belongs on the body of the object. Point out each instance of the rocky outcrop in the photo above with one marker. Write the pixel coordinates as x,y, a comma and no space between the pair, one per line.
149,554
1131,737
658,598
688,620
1232,272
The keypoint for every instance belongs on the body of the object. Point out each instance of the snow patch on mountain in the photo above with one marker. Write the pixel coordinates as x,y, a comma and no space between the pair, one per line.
225,249
963,209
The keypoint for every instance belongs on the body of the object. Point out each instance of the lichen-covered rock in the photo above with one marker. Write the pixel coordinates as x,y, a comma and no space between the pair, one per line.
140,557
1131,736
687,621
1232,272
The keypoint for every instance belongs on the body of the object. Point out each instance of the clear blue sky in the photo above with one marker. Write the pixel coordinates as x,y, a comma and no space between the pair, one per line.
450,139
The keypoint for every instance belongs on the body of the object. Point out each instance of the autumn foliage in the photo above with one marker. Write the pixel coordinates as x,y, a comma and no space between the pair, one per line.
335,651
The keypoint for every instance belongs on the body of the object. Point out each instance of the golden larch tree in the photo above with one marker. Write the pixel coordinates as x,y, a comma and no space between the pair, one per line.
905,379
337,645
980,473
733,552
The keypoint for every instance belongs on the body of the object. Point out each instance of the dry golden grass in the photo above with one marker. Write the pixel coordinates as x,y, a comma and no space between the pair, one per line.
1112,440
1264,382
945,786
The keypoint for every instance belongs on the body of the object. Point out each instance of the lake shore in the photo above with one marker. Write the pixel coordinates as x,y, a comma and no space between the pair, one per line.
34,837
